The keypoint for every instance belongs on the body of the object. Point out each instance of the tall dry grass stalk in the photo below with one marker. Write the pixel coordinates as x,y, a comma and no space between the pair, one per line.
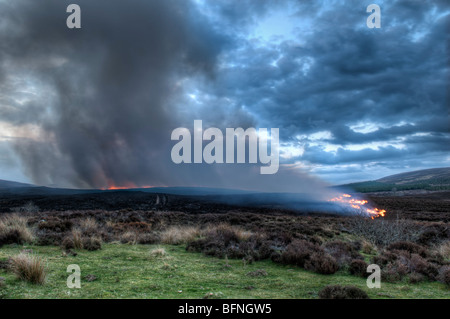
240,233
29,268
444,250
176,235
89,225
77,238
15,223
158,252
129,237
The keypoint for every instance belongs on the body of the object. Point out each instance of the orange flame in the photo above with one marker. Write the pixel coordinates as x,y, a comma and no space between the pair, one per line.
126,185
359,204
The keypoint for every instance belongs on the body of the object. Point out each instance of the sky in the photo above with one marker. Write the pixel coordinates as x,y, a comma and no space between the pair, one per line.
95,107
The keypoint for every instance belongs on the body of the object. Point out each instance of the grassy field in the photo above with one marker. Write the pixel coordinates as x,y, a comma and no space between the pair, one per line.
131,271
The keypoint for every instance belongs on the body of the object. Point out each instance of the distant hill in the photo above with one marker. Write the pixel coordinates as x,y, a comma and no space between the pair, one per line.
433,179
9,184
9,187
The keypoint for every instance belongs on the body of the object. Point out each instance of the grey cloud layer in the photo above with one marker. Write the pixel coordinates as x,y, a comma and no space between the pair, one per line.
111,93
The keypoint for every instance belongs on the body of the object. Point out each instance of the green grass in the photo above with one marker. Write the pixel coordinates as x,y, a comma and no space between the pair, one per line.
126,271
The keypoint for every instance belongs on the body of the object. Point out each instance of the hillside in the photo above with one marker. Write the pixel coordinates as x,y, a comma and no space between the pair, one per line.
433,179
9,184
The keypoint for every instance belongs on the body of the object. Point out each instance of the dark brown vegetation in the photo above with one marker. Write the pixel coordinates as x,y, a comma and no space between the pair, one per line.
342,292
407,243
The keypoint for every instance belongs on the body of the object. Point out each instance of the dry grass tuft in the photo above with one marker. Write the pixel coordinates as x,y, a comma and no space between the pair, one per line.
29,268
158,252
17,225
89,225
129,237
444,250
177,235
240,233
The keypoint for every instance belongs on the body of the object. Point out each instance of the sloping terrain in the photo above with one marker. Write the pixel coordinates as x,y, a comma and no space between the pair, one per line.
435,179
9,184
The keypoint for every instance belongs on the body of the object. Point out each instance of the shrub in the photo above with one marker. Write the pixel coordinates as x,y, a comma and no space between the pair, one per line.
444,250
15,229
358,267
394,272
74,240
92,243
422,266
341,251
229,232
367,248
412,248
383,232
415,278
148,239
129,237
177,235
5,264
29,207
298,253
89,226
342,292
234,242
55,225
28,268
10,237
444,275
322,264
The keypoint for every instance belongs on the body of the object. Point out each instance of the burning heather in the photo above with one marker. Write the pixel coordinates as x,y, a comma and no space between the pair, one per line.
358,205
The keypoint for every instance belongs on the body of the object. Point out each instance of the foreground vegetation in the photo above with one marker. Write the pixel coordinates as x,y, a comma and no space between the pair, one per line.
169,254
169,271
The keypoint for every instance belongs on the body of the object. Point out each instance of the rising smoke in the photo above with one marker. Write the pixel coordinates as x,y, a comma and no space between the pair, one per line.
99,103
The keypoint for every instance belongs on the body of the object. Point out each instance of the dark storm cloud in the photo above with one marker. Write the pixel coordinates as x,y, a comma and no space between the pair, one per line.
342,74
106,98
105,89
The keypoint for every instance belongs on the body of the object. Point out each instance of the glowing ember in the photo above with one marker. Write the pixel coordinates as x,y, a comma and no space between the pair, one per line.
127,185
358,204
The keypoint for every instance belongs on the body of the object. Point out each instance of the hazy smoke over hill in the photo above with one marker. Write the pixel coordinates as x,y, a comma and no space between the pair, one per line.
98,104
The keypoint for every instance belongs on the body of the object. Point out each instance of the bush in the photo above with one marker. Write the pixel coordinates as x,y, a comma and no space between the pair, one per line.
415,278
298,253
148,239
358,267
422,266
27,208
177,235
343,252
92,243
383,232
55,225
444,250
29,268
412,248
444,275
10,237
89,226
77,241
394,272
129,237
342,292
233,242
73,241
14,229
322,264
